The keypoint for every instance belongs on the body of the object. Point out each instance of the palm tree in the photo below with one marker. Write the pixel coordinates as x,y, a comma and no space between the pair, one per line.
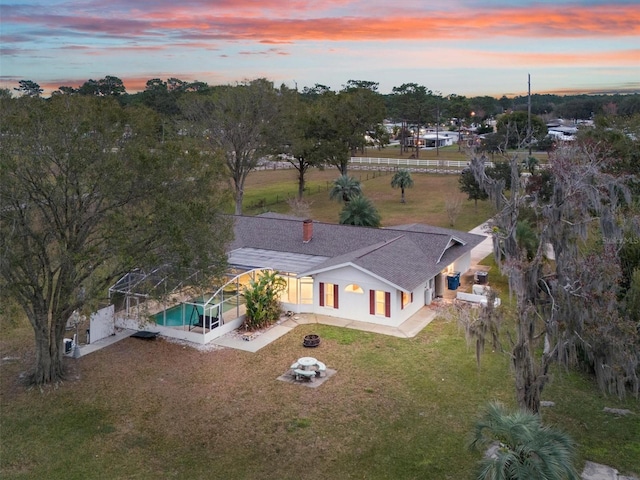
345,188
526,449
402,179
527,239
360,211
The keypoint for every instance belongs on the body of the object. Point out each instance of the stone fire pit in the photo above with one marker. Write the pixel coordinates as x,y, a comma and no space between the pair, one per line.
311,341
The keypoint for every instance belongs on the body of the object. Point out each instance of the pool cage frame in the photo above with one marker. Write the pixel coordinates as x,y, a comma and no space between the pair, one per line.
139,296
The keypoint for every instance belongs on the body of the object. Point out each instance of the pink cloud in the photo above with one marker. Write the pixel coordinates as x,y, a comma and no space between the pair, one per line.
277,22
598,58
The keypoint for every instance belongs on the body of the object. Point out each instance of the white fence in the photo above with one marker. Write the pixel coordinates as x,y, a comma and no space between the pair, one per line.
414,164
445,166
102,324
409,162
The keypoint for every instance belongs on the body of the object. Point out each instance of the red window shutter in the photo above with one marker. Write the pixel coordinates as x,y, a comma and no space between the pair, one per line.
372,302
321,294
387,304
335,295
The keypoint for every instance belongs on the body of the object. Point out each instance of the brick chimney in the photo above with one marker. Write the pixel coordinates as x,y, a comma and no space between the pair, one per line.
307,230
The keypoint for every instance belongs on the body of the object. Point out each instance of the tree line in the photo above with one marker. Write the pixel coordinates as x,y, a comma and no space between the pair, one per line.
158,93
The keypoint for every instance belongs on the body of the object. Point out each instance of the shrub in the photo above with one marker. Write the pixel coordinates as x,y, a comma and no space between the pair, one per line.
261,295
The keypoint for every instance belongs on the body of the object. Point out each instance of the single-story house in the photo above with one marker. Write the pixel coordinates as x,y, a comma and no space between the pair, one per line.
376,275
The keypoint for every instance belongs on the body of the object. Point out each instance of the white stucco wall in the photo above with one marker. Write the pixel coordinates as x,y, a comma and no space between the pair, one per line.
102,324
463,263
182,333
355,306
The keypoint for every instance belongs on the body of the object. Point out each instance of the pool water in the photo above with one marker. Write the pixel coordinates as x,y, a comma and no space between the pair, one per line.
172,317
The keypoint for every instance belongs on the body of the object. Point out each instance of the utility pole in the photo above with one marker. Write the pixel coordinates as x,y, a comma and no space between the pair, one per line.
437,130
529,113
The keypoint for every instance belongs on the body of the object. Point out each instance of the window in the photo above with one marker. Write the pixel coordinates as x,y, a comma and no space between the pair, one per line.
298,291
328,295
306,290
407,298
290,294
380,303
353,288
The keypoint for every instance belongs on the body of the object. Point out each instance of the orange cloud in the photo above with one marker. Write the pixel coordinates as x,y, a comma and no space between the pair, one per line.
264,24
594,22
631,88
601,58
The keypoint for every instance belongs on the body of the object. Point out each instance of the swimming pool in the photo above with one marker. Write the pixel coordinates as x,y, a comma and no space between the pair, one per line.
183,314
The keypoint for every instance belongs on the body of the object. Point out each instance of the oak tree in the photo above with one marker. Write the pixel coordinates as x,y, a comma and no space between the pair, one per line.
87,193
238,122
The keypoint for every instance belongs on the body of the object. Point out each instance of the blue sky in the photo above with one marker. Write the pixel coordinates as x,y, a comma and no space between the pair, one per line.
465,47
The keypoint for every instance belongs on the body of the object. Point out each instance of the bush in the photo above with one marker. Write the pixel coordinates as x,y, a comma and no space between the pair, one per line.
263,306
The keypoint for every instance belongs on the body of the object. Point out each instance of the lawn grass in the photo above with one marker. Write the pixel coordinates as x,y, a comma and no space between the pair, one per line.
425,201
396,408
268,190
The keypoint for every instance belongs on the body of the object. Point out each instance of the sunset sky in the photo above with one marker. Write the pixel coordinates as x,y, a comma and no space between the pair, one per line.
467,47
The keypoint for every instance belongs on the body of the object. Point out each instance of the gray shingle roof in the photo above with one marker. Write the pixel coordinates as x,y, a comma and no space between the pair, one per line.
404,256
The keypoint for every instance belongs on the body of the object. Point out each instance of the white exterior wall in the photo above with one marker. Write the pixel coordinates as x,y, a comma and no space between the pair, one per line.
181,333
355,306
463,263
102,324
295,307
418,301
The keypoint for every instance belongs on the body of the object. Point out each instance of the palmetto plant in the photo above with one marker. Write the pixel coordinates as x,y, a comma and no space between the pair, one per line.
402,179
360,211
345,188
526,449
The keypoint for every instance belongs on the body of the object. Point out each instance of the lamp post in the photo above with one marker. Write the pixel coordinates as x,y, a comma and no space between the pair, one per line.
473,118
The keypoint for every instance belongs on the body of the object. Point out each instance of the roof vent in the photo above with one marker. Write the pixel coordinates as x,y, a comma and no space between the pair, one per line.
307,230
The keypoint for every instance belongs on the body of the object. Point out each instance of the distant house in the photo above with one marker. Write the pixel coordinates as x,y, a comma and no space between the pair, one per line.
432,139
560,130
376,275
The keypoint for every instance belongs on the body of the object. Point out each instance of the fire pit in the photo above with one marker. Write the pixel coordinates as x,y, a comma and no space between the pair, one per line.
311,341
